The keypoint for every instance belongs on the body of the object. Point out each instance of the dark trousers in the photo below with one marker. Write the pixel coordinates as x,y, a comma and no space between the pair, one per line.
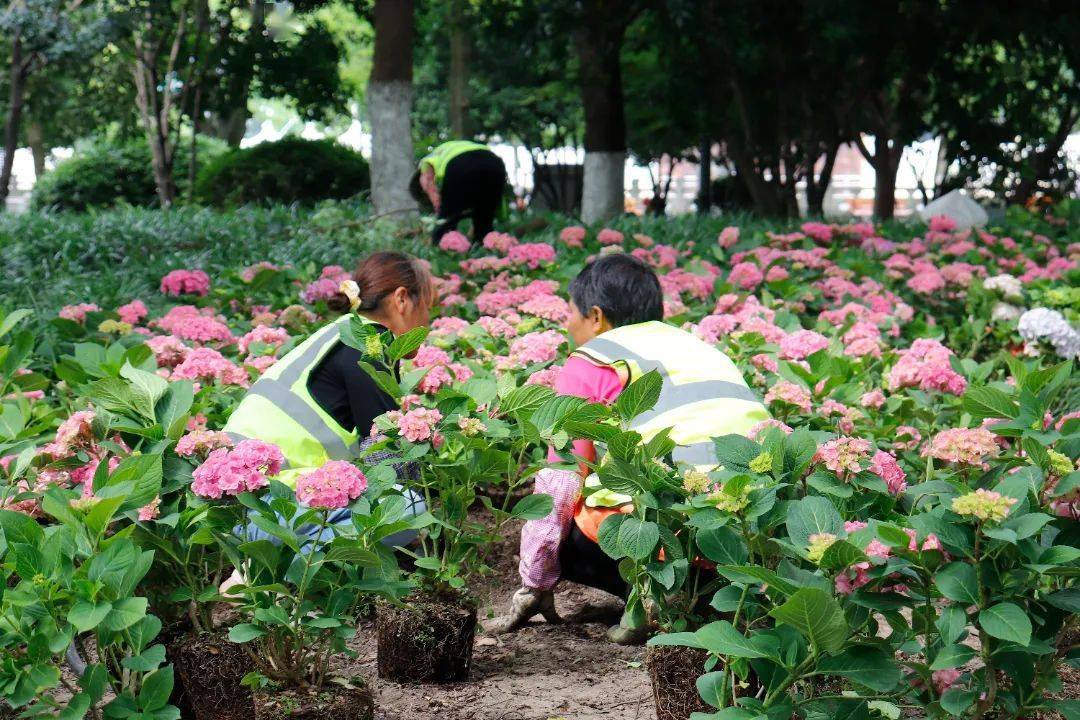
583,562
472,186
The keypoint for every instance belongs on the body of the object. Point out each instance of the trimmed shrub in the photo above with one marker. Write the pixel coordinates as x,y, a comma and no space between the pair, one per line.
103,174
290,170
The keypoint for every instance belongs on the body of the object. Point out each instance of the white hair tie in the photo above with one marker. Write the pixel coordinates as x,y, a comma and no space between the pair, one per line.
351,290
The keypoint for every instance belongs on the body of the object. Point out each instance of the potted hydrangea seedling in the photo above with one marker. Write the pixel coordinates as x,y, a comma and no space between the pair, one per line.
307,570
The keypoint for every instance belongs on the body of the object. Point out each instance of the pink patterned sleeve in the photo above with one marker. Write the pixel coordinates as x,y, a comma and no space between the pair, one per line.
540,539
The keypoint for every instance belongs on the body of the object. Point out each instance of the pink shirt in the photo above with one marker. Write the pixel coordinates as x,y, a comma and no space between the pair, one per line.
540,539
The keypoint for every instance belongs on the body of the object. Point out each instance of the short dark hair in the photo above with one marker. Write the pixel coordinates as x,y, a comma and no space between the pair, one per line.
624,288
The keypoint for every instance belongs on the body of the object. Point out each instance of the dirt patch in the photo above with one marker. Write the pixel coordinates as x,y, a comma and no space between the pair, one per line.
541,672
331,702
674,672
210,668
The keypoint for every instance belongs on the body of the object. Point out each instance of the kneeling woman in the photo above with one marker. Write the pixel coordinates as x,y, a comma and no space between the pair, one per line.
317,403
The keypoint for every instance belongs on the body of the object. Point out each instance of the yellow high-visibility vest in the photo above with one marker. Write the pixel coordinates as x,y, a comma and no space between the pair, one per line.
441,156
279,409
703,395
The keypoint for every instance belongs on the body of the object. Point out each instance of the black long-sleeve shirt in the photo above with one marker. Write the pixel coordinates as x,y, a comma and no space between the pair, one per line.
346,392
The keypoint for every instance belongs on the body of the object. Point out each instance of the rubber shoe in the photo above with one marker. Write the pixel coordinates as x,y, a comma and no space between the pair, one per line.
526,603
621,635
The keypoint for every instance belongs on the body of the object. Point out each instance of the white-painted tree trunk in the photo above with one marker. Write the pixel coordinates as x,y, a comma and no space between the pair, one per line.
392,161
602,191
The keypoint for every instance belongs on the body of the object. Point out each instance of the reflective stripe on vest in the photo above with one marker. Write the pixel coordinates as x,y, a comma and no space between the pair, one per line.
279,409
441,156
703,395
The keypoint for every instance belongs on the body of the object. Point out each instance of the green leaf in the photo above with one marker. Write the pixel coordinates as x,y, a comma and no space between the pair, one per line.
147,389
1067,599
525,399
955,701
19,528
680,639
712,688
407,343
958,581
533,507
750,574
817,616
952,656
87,616
638,538
156,689
721,638
841,554
1006,621
245,632
639,396
988,402
144,472
951,623
608,535
812,516
150,659
864,665
722,545
125,613
735,452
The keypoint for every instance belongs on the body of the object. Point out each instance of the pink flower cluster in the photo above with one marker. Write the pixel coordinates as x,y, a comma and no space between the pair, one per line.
789,393
133,312
926,365
533,348
206,364
273,337
245,468
532,255
888,469
728,237
185,282
548,307
201,442
964,446
843,455
607,236
418,424
496,327
745,276
190,323
448,326
802,344
455,242
572,236
332,486
327,286
499,242
169,350
77,313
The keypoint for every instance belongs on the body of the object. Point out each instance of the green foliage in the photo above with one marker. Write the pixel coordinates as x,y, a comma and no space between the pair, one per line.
103,174
290,170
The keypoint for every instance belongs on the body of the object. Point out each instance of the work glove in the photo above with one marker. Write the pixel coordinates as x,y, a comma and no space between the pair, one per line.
526,603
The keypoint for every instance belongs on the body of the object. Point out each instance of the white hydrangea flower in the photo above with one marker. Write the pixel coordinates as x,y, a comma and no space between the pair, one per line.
1003,312
1052,327
1009,286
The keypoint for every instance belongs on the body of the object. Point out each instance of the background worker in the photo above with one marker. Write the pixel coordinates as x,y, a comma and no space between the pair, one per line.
462,179
616,307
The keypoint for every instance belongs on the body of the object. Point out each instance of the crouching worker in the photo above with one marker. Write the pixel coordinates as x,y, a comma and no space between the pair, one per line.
316,403
462,179
616,307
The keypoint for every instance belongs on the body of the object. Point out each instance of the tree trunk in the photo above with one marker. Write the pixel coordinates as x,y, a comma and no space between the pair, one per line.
886,161
599,42
460,127
389,98
817,184
1041,162
16,97
704,198
35,138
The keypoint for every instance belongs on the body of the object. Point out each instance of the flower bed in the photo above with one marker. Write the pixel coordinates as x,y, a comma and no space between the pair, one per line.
918,473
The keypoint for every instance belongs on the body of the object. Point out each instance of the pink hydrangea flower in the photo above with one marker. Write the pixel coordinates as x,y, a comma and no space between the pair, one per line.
245,468
818,231
499,242
572,236
185,282
548,307
190,323
546,377
77,313
965,446
455,242
532,255
434,379
150,511
766,363
206,364
926,365
496,327
790,394
260,364
447,326
202,442
74,434
169,350
274,337
133,312
906,438
332,486
843,455
758,431
418,424
801,344
534,348
873,399
430,356
745,276
885,466
942,223
729,237
607,236
926,283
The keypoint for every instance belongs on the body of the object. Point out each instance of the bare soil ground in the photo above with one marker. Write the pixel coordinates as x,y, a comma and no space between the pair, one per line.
541,672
